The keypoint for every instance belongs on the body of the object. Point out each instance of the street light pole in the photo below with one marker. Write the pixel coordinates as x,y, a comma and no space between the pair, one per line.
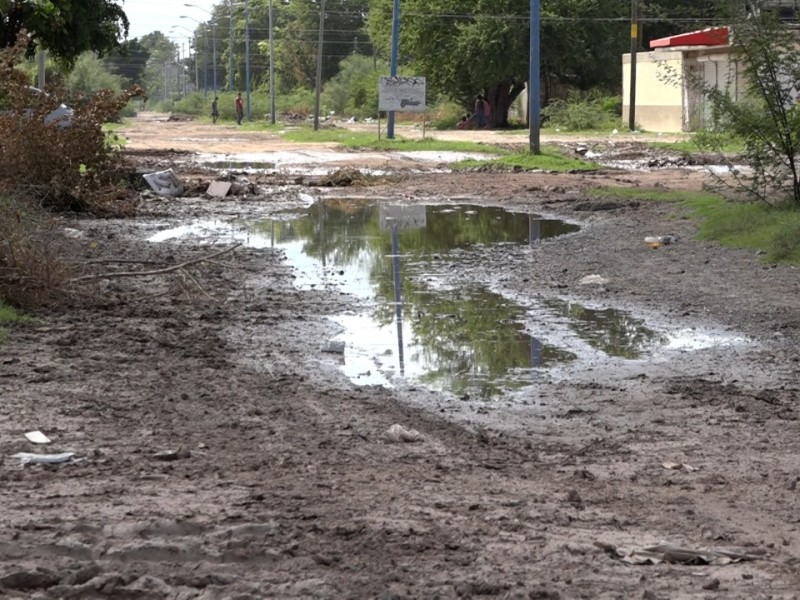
271,68
247,55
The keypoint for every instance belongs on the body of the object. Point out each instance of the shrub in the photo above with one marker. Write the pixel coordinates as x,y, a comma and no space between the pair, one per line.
32,272
447,114
65,168
582,112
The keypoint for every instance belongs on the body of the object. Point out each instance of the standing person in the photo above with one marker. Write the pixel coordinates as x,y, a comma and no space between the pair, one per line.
239,109
215,110
480,115
487,113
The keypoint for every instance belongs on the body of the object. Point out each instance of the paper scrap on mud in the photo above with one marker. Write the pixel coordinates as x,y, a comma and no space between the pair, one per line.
397,434
43,459
37,437
667,553
673,466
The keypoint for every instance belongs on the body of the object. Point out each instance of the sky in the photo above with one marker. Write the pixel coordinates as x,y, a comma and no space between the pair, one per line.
147,16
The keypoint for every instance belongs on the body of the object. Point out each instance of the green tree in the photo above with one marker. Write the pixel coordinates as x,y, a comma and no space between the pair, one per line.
90,75
160,75
66,28
129,61
354,89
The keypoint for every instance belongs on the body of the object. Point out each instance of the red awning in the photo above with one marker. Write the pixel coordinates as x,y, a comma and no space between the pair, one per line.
713,36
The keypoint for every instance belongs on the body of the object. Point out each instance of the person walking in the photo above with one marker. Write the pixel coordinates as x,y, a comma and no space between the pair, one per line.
215,110
239,109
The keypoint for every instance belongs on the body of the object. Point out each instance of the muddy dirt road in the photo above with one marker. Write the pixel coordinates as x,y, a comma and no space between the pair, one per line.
220,454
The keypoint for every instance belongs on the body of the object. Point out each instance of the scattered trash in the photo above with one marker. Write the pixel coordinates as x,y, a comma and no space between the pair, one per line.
43,459
37,437
168,455
672,466
593,280
667,553
165,183
219,189
660,240
397,434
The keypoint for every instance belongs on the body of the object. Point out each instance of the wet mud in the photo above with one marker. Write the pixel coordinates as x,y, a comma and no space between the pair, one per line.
223,452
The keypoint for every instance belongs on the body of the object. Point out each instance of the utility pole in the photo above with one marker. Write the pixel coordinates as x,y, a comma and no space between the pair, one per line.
534,78
634,49
214,41
320,42
393,63
230,46
247,56
271,67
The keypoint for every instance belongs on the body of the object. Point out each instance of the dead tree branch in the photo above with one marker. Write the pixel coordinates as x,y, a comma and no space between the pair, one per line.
163,271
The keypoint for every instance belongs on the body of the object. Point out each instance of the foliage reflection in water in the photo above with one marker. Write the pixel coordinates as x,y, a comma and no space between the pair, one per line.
613,332
468,341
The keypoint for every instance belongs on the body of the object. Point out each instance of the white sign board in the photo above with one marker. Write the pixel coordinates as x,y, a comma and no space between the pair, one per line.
401,94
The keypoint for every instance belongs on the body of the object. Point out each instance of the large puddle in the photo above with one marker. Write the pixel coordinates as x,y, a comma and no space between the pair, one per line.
421,327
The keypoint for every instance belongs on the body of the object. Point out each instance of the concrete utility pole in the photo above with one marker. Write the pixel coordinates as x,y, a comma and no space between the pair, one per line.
230,48
634,49
320,43
534,78
247,56
271,67
393,60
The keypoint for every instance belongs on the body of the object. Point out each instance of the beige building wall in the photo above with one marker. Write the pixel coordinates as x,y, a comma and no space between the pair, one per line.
659,104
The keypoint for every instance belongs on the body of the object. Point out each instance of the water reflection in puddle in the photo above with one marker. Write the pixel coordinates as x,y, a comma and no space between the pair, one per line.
463,339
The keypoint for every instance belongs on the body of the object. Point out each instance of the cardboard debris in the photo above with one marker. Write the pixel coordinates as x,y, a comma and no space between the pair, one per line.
667,553
219,189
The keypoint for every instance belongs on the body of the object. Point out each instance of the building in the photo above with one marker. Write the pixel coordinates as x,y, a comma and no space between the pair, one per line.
664,101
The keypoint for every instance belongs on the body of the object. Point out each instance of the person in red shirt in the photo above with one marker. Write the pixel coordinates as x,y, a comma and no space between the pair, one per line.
239,109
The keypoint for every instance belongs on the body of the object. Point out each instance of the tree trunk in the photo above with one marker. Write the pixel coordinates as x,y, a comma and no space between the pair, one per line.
500,98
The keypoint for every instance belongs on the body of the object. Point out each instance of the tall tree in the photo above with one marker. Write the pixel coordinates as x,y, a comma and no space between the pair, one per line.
160,73
129,61
297,39
65,28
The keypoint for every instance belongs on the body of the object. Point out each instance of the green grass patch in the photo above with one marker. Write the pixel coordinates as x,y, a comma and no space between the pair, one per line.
692,146
352,139
548,160
776,231
9,316
754,226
